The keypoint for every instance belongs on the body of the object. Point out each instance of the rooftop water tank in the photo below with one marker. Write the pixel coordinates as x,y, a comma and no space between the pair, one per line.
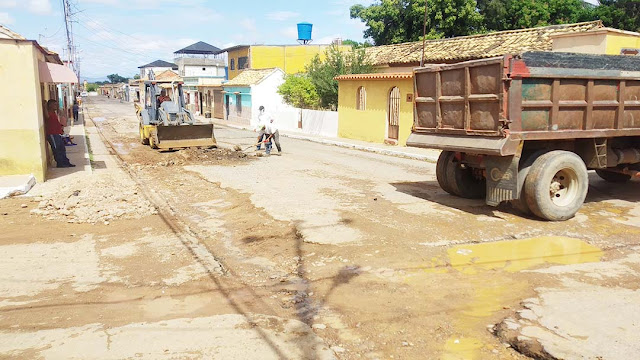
304,32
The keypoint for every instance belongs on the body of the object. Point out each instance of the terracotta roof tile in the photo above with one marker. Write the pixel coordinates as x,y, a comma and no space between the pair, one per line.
167,75
475,46
377,76
249,77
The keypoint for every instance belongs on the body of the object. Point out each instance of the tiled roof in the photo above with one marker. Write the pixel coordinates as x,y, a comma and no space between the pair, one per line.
6,33
167,75
200,47
250,77
378,76
475,46
160,63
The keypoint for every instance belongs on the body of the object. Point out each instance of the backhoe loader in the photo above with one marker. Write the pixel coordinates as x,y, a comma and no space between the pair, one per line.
166,124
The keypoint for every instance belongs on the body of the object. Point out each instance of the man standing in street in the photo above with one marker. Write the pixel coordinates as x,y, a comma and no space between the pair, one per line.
54,135
263,119
271,130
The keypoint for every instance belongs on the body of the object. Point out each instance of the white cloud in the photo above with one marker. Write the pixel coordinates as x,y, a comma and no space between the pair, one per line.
290,32
248,24
5,18
40,7
282,15
327,39
8,3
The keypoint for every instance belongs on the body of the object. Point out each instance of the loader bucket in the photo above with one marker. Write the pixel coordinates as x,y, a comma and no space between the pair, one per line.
182,136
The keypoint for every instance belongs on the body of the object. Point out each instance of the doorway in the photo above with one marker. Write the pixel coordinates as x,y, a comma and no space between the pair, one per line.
393,115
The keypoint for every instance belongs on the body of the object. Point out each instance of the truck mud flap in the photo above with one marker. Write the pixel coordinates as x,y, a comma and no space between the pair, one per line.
181,136
502,177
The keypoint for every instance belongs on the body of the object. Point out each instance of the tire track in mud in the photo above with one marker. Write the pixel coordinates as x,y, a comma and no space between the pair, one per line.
202,254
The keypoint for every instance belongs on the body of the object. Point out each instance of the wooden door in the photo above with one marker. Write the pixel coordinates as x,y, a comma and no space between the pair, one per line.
217,104
393,114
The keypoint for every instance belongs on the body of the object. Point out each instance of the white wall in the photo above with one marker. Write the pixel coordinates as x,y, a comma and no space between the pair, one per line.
266,94
196,70
156,70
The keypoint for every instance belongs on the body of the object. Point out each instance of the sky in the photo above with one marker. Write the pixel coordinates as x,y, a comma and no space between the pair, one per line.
117,36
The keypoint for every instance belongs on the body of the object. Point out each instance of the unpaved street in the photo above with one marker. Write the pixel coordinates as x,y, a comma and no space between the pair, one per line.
321,253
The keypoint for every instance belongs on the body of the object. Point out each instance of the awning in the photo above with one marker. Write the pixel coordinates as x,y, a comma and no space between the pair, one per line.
54,73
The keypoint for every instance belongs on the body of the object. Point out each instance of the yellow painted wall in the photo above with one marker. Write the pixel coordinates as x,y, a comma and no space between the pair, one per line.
235,54
617,42
290,58
22,141
371,124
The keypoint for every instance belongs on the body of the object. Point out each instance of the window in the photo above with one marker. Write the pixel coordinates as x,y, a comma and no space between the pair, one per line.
239,103
361,99
233,64
243,63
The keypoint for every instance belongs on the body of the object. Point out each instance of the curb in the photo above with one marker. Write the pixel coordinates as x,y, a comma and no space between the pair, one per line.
372,149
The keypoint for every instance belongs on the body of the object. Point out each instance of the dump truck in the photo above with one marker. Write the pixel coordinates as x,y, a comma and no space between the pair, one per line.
527,128
166,124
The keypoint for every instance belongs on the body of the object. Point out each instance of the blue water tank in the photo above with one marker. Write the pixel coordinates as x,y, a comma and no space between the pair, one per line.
304,31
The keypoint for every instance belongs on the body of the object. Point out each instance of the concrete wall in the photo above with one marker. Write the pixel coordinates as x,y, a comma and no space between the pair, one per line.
156,70
371,124
242,114
197,70
581,43
235,54
291,58
266,94
22,142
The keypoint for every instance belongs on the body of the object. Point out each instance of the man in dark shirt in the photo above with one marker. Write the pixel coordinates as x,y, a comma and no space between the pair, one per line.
54,135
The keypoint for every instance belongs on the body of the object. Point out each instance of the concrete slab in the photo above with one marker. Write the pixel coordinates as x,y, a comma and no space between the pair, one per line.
12,185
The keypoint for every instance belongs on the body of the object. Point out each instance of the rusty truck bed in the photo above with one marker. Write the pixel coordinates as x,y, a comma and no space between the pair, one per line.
488,106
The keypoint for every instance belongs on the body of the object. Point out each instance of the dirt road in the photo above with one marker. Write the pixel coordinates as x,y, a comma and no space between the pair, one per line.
317,253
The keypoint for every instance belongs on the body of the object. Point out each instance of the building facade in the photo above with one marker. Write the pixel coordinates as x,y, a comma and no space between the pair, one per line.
607,41
157,67
33,73
292,59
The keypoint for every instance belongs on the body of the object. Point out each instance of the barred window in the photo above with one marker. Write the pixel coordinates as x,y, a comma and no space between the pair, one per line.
361,98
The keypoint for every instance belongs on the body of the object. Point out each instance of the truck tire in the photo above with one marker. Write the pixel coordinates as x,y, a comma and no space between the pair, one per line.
612,176
445,158
556,185
520,204
465,183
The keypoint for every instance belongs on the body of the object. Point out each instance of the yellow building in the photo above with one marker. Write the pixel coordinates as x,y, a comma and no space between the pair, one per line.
607,41
376,107
290,58
23,66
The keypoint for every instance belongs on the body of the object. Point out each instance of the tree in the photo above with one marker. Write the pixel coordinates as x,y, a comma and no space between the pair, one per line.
299,91
92,87
519,14
620,14
115,78
396,21
322,72
356,44
136,76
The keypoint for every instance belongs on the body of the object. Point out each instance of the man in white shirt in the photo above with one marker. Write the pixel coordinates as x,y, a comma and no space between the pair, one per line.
273,134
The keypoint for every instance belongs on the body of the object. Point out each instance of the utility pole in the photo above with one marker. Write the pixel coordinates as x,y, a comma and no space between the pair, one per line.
71,50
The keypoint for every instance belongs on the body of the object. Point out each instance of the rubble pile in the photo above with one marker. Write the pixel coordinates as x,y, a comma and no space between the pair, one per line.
93,200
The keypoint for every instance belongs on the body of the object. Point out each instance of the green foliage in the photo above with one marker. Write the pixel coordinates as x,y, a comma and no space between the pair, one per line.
322,72
519,14
115,78
92,87
356,44
396,21
299,91
620,14
136,76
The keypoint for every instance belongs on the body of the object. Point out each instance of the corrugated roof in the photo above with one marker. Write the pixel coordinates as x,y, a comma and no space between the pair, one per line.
377,76
160,63
475,46
200,47
250,77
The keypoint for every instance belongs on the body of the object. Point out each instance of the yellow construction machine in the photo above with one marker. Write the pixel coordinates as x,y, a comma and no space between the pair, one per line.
166,124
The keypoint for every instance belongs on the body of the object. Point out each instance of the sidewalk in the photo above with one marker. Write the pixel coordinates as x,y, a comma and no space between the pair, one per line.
429,155
78,154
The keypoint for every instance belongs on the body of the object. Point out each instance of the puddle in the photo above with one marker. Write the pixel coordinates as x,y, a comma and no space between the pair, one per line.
489,294
517,255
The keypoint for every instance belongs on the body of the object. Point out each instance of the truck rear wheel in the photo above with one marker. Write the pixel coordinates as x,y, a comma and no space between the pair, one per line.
556,185
445,158
466,182
612,176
